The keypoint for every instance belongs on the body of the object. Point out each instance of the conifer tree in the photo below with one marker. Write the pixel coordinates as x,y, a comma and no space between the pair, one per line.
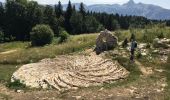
68,15
59,10
82,10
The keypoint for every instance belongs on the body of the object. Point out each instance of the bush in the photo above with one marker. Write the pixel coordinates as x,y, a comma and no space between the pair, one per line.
168,23
16,85
41,35
161,36
125,43
133,37
148,46
63,36
138,55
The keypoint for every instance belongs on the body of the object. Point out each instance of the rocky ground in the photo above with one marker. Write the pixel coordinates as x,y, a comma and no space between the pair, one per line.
67,72
150,85
145,88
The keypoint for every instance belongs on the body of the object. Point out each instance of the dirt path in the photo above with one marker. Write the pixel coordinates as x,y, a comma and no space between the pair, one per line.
145,71
8,52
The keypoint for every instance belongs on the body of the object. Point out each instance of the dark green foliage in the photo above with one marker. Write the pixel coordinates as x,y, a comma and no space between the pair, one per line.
18,17
138,55
125,43
50,19
41,35
76,22
2,15
68,15
34,15
168,23
133,37
145,37
16,21
74,8
148,45
161,36
124,24
63,36
114,25
1,36
16,85
59,10
82,10
92,25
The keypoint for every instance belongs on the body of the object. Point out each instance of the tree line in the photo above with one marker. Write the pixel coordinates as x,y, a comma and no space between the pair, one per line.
18,17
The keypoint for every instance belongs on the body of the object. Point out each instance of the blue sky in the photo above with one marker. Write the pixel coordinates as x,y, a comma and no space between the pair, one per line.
162,3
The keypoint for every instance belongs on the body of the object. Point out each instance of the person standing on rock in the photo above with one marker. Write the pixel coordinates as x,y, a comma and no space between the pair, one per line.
132,49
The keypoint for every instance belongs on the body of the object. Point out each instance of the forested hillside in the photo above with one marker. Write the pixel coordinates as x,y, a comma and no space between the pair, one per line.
18,17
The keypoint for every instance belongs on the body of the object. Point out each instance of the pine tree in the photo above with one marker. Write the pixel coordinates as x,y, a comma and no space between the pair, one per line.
68,15
1,15
77,22
59,10
74,8
50,19
82,10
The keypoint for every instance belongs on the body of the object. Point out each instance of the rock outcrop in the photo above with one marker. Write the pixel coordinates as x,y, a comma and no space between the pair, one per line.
70,72
105,41
161,43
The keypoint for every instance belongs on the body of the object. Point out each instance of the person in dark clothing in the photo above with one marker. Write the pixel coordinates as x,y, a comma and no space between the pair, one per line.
132,49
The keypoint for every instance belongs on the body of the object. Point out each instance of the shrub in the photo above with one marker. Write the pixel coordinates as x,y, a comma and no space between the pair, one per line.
168,23
41,35
139,55
16,85
125,43
63,36
161,36
148,45
133,37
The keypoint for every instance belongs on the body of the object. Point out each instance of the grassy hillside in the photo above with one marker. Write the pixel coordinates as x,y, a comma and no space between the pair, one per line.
15,54
144,35
21,52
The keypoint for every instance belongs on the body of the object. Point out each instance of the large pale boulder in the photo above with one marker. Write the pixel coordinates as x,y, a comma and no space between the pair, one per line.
105,41
67,72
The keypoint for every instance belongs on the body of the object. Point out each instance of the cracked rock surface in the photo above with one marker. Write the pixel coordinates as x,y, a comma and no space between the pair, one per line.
67,72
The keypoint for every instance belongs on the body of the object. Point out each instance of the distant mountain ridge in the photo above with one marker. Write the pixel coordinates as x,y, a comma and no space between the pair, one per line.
130,8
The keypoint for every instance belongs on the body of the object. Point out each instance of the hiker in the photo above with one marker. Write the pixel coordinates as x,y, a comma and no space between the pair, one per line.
132,49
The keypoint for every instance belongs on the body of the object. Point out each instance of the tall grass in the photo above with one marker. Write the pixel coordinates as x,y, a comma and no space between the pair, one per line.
13,45
6,72
167,68
144,35
28,54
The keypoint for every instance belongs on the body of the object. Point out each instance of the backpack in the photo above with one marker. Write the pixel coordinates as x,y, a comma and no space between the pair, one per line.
136,45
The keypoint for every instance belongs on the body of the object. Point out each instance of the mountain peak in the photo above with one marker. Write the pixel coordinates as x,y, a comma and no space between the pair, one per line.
130,2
